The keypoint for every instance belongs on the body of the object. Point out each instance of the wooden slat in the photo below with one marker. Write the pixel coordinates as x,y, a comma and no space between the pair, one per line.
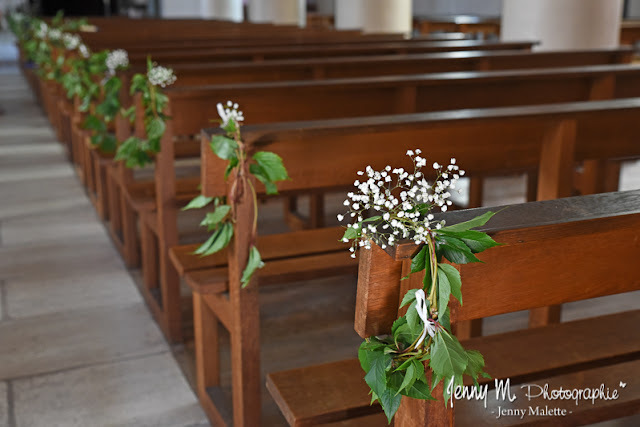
271,246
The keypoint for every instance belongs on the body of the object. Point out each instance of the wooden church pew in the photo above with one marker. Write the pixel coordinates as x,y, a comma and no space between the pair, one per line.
483,141
551,254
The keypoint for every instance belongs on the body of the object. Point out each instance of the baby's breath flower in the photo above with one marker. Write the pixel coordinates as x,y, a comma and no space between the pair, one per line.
42,30
84,50
117,59
400,201
161,76
54,34
230,112
71,41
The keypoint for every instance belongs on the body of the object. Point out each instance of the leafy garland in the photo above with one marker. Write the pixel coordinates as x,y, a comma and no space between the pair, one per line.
137,151
395,364
265,166
109,94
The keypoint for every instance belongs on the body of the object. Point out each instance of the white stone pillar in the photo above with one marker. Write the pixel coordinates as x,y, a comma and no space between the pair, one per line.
207,9
388,16
289,12
349,14
563,24
257,10
228,10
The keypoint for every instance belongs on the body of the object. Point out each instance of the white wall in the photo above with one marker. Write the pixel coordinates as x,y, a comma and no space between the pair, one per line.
458,7
566,24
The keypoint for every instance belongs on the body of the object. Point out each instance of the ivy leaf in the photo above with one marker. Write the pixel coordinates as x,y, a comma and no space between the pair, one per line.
453,276
272,166
418,262
212,219
155,129
224,147
198,202
477,241
409,297
368,351
218,240
448,360
138,83
414,371
233,162
444,320
473,223
475,365
253,264
413,319
257,171
94,123
455,250
419,390
444,292
390,403
376,377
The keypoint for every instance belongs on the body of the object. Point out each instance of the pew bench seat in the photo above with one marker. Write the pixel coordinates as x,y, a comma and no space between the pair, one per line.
581,353
272,247
142,194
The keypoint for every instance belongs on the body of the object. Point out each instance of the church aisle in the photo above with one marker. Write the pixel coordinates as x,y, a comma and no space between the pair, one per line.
78,347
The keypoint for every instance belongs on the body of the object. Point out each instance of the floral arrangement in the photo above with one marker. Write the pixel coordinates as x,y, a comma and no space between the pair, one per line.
265,166
108,91
136,151
393,205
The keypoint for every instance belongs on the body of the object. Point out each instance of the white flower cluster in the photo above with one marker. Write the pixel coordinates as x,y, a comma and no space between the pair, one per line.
42,31
230,112
117,59
161,76
395,204
54,34
84,50
71,41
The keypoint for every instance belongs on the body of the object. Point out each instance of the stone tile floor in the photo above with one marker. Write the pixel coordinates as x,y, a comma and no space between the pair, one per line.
78,346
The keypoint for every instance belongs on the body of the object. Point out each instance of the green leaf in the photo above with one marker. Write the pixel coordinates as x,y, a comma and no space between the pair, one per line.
368,351
233,162
138,83
475,365
444,292
477,241
419,390
212,219
224,147
218,240
94,123
448,360
257,171
453,276
413,320
376,378
272,166
418,262
414,371
390,403
198,202
350,233
409,297
455,250
253,264
473,223
155,128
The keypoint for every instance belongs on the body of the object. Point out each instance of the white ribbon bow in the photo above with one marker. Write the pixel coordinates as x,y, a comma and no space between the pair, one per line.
421,308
